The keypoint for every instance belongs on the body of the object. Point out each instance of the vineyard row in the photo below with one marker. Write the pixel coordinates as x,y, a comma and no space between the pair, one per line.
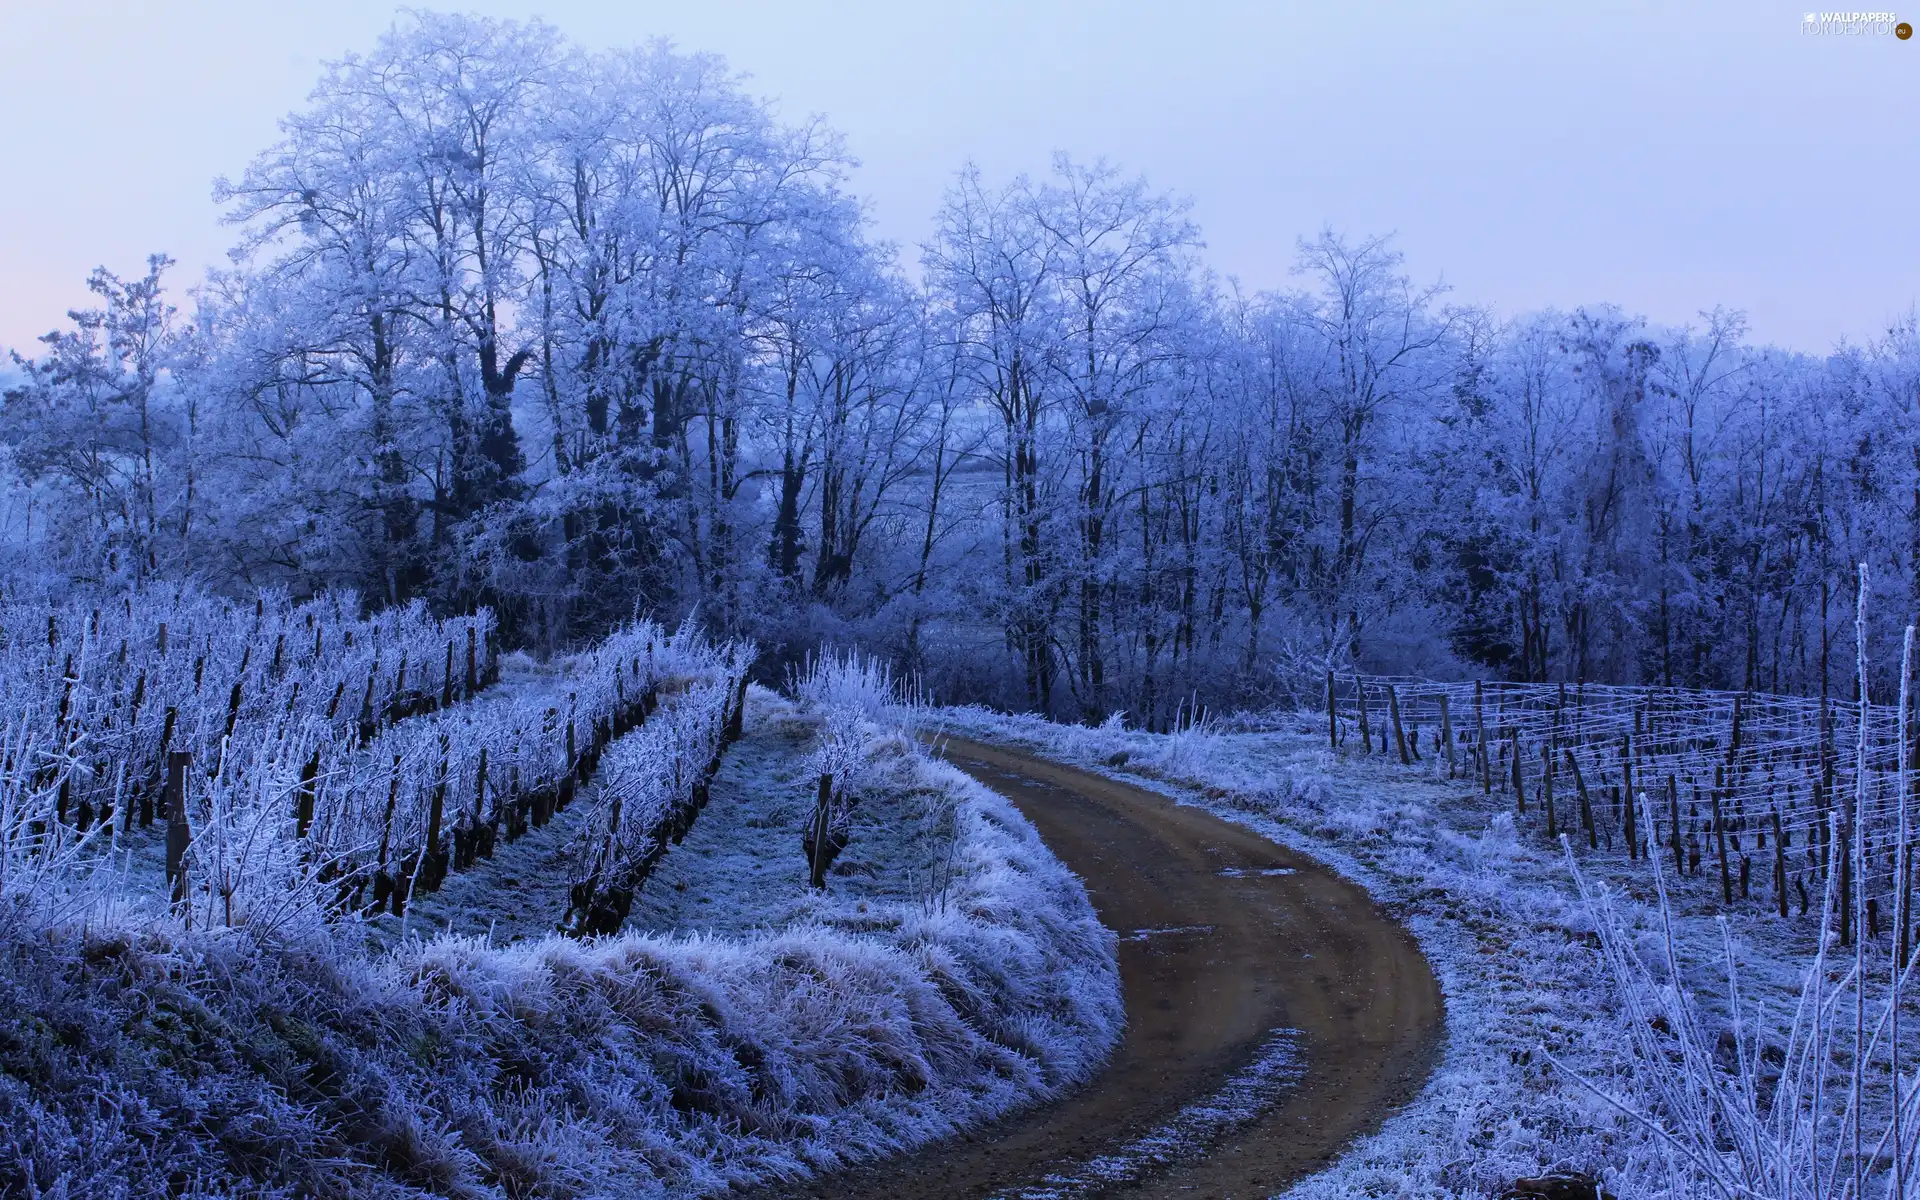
1730,785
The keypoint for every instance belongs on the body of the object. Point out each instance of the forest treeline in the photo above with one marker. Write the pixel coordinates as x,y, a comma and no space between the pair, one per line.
578,335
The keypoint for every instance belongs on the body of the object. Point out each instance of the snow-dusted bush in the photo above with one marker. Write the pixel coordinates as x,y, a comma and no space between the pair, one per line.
245,864
49,870
855,703
1748,1102
851,682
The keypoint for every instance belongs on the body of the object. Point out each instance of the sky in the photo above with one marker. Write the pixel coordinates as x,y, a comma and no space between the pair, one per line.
1666,158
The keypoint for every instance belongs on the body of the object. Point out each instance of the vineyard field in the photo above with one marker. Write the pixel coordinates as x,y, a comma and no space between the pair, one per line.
468,837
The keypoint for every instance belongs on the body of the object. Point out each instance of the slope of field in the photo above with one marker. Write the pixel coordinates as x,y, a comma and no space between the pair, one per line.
789,1035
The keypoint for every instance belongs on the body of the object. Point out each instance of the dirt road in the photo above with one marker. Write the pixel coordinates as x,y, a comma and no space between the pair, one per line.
1272,1014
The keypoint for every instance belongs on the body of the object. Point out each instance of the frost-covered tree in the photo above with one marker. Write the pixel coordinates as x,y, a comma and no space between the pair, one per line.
102,427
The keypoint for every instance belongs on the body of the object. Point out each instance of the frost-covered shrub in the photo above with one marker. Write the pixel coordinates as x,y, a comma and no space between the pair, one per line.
851,682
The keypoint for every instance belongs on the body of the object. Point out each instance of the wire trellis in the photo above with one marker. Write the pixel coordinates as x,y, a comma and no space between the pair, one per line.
1745,790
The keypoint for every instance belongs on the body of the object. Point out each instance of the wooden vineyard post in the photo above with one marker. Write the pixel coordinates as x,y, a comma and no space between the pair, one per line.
1779,864
1719,836
1626,783
367,728
303,802
178,834
383,878
737,720
446,679
1733,738
1673,826
1480,739
1446,732
66,693
1366,732
1519,787
1586,804
1333,716
233,704
1843,855
473,674
822,823
1829,757
1905,884
1546,789
1399,737
1630,826
167,727
433,864
1820,835
483,831
123,800
1903,831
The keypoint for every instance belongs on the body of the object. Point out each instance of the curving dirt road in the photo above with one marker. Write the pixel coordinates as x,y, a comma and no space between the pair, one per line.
1273,1014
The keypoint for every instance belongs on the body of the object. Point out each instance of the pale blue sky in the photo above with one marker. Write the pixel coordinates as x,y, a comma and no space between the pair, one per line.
1664,157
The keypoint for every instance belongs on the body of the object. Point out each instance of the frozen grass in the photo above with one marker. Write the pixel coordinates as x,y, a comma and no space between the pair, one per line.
743,869
1500,917
794,1035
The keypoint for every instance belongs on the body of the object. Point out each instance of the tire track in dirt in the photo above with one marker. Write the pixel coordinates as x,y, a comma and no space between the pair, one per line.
1262,992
